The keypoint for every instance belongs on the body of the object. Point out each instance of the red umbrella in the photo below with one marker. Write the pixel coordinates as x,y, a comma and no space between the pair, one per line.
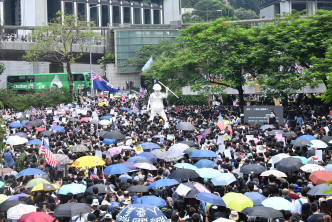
36,217
320,177
84,119
40,129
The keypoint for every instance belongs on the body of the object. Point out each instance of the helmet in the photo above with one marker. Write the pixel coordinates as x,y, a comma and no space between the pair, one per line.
157,87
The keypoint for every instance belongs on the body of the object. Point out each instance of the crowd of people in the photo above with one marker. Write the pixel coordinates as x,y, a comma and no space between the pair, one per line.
242,152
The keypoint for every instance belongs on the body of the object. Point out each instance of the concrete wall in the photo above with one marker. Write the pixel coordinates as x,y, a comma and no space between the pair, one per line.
268,12
171,11
119,80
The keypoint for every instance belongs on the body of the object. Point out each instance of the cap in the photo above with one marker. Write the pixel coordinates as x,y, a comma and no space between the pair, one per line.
108,216
95,202
112,196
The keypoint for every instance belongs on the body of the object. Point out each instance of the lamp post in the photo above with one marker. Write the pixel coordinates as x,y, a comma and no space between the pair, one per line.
92,91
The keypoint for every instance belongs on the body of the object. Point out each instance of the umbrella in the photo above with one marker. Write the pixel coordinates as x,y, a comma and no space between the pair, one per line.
208,173
306,137
17,196
3,198
160,154
257,198
79,148
88,161
72,188
224,180
186,166
101,188
326,139
210,198
265,127
94,121
30,172
36,217
72,119
178,148
289,135
1,184
273,132
61,158
84,119
252,169
189,143
190,151
145,166
149,156
46,133
104,122
152,200
310,168
204,163
138,189
35,123
289,164
237,201
195,188
265,212
58,129
318,144
71,209
141,212
5,171
185,126
133,111
163,183
109,141
102,103
320,177
278,203
34,142
173,157
8,204
320,190
17,211
328,167
130,165
16,140
15,125
221,219
134,159
106,118
36,181
149,146
21,134
114,135
278,157
115,150
301,143
116,169
275,173
45,187
204,154
302,158
124,108
183,175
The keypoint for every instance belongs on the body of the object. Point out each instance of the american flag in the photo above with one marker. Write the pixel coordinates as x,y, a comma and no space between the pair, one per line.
286,125
136,107
220,123
123,97
230,130
140,93
45,150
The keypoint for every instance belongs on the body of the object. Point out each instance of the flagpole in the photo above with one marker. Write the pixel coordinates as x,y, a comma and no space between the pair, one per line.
168,89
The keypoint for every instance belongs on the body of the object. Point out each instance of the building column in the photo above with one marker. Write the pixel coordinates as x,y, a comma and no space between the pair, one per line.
2,17
161,14
111,15
152,16
142,14
131,14
311,7
285,7
75,9
87,12
99,15
121,14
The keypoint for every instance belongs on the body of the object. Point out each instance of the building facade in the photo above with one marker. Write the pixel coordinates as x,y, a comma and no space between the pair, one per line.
271,8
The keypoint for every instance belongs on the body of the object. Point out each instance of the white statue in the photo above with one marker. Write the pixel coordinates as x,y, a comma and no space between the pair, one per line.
156,104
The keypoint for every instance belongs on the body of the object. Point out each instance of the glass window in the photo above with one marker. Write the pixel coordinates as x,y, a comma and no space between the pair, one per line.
12,79
30,79
126,15
81,11
53,6
105,15
69,8
78,77
147,16
137,16
116,15
94,14
156,16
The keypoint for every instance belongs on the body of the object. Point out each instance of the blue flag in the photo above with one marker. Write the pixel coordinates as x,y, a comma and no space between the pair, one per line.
101,84
147,64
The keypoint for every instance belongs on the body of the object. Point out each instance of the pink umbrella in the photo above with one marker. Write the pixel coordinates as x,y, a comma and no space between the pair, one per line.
201,188
115,150
145,166
84,119
5,170
40,129
126,147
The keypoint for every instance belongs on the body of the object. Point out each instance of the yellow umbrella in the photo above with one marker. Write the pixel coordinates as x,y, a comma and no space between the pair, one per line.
45,187
117,96
101,104
3,198
88,161
237,201
36,181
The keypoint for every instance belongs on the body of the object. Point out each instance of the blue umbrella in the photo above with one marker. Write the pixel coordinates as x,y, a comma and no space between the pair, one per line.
15,125
106,118
1,184
116,169
149,146
149,156
204,154
141,212
58,129
72,188
136,158
30,172
224,180
210,198
307,137
328,167
133,111
152,200
163,183
24,122
186,166
109,141
257,198
34,142
204,163
124,108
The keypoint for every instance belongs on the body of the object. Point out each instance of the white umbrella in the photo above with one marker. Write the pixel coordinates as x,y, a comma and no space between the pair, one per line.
16,140
16,212
310,168
318,144
178,148
276,173
221,219
105,122
278,157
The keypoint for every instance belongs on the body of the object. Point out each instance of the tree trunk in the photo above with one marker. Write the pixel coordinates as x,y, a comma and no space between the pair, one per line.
241,98
70,79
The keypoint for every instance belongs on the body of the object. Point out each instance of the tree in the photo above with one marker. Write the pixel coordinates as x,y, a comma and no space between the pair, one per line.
2,68
242,13
56,41
246,4
108,58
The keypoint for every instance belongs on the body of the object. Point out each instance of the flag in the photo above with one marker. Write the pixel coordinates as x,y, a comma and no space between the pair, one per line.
220,123
230,130
147,64
101,84
227,3
136,107
199,137
140,92
45,150
33,110
286,125
206,132
123,97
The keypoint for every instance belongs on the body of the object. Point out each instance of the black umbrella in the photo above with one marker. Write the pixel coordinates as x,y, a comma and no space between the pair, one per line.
34,123
289,135
72,119
252,169
189,143
185,126
319,190
71,209
46,133
260,211
273,132
190,151
79,148
8,204
326,139
289,164
265,127
300,143
138,189
21,119
102,133
114,135
193,191
183,175
101,189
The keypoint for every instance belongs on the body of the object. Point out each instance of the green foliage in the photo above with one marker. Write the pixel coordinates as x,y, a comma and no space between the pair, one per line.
46,98
187,99
242,14
246,4
2,68
106,59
